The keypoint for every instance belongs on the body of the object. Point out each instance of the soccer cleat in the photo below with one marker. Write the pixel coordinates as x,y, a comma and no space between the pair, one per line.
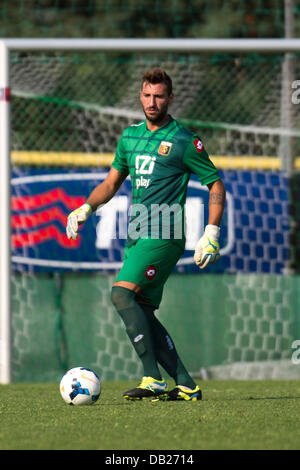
184,394
148,388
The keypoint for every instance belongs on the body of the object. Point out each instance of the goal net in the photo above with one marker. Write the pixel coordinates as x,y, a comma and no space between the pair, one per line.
68,110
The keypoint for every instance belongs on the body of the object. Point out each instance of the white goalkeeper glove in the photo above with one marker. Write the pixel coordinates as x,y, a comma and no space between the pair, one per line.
207,248
77,217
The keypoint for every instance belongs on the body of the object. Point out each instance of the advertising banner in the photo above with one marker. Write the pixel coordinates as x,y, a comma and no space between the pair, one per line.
254,231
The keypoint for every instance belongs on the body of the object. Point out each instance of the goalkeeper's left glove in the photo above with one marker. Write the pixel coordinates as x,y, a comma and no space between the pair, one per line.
207,248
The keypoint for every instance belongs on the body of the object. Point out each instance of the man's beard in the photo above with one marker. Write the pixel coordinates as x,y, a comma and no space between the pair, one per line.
157,118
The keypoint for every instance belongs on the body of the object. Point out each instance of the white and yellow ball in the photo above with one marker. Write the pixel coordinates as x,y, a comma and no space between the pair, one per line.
80,386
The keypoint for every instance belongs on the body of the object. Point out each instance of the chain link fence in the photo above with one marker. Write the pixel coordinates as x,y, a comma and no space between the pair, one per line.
83,102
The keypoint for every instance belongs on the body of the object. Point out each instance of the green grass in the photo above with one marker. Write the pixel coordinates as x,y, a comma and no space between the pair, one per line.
232,415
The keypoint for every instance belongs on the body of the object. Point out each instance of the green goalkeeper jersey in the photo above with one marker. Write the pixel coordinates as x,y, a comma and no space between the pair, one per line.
160,164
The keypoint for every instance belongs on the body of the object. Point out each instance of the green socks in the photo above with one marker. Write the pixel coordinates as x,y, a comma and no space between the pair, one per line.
165,350
149,338
137,328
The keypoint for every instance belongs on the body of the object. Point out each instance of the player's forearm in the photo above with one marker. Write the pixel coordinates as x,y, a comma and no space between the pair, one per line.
216,203
106,190
207,250
101,195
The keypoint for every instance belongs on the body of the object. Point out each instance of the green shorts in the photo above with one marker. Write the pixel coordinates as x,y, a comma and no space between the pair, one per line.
148,263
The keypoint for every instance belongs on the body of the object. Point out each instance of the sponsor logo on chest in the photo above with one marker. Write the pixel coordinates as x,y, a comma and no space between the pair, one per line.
144,166
142,182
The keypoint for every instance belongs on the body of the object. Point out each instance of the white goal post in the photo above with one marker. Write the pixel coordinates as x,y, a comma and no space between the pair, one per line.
5,311
111,45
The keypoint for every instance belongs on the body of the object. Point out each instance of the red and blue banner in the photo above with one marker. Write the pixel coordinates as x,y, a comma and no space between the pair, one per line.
254,233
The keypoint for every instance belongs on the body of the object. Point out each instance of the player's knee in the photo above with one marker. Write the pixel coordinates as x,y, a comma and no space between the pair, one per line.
122,297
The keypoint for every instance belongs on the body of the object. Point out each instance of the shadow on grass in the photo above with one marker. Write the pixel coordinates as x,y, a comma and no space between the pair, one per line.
271,398
261,398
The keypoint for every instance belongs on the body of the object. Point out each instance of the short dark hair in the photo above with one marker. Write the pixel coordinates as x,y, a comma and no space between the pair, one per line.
158,75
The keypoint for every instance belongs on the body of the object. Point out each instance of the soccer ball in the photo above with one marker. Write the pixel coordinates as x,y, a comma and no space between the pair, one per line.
80,386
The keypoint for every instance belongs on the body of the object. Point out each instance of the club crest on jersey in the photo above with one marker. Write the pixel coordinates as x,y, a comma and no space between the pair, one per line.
165,148
199,145
150,273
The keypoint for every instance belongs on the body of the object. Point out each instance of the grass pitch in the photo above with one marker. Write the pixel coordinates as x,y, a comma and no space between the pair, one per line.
236,415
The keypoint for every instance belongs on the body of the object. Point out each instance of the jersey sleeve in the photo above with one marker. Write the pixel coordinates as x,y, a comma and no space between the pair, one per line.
120,161
197,161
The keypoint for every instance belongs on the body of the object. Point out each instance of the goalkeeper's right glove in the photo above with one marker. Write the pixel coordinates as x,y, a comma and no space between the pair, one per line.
77,217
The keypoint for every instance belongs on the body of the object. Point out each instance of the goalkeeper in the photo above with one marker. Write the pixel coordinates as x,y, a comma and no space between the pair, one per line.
159,154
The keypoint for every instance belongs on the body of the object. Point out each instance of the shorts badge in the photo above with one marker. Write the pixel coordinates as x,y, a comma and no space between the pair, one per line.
150,273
